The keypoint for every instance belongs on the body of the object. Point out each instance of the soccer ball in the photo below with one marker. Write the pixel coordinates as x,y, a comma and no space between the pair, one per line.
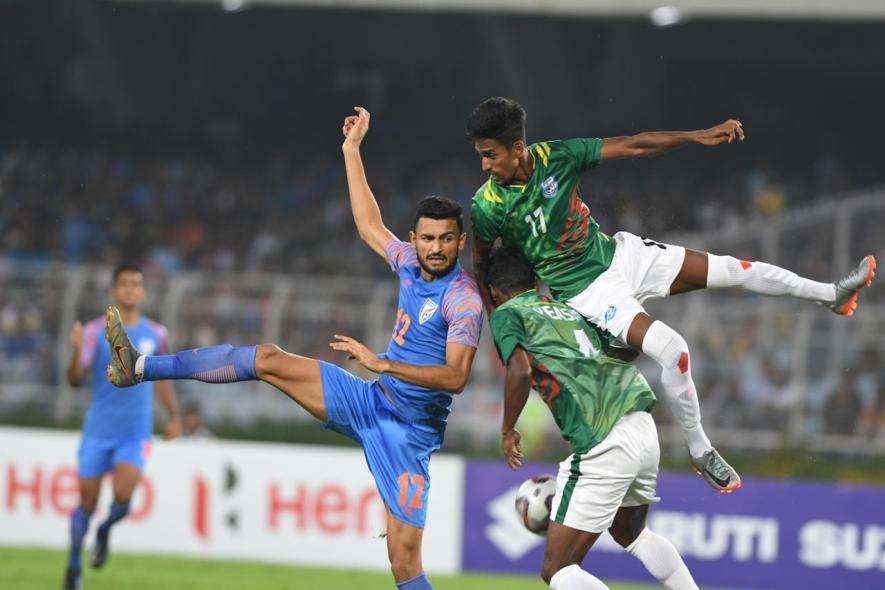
533,500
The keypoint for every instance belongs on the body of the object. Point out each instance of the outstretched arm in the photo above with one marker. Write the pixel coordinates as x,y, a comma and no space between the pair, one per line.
451,377
365,209
657,142
481,251
517,387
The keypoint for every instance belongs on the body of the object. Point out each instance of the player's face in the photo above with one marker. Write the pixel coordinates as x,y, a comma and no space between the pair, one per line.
498,160
437,243
128,290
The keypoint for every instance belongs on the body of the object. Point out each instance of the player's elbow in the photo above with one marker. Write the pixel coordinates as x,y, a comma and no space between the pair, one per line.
365,231
630,151
458,384
458,388
365,235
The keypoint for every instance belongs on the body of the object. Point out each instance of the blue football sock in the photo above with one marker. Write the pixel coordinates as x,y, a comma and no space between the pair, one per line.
213,364
79,526
419,582
118,513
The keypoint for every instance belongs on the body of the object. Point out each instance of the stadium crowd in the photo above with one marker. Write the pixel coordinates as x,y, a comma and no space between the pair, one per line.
288,215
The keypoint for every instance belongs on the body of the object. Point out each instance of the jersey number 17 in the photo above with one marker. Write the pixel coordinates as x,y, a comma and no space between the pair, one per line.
536,220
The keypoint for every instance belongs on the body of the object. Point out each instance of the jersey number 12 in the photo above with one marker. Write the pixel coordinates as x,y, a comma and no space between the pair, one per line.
403,322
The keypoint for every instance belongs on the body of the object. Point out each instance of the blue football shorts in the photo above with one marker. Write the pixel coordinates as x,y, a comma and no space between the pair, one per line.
397,452
98,456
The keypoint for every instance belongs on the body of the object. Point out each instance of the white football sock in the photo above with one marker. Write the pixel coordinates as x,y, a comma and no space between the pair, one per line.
669,349
139,367
764,278
661,559
574,578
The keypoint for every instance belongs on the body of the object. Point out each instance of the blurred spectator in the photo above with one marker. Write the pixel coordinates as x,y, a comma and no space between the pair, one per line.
192,422
191,212
842,410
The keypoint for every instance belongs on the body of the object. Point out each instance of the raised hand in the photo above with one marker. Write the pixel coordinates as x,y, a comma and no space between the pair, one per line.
357,350
356,126
726,132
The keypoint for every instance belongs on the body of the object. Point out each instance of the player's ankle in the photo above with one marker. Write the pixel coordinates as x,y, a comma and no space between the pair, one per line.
139,367
698,443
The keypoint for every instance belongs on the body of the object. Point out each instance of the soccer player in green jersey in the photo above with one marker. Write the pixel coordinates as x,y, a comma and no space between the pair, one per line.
601,405
531,201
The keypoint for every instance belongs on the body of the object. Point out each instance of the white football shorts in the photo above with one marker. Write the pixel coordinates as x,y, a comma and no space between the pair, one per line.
641,269
622,470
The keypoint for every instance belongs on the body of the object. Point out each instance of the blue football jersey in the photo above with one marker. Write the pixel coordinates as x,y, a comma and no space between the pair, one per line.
430,314
119,413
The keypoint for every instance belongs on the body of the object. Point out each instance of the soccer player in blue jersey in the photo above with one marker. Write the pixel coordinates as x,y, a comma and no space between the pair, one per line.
398,418
117,429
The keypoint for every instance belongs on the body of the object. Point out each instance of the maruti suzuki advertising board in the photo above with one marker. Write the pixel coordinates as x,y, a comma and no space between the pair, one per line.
769,535
318,506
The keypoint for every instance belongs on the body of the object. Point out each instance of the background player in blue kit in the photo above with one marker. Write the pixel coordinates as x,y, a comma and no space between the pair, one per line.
399,418
117,428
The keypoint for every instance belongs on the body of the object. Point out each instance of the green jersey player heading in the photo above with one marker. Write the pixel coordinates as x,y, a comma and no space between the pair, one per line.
531,201
601,405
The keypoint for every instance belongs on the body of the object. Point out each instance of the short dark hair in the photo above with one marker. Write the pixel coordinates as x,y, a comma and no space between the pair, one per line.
498,118
508,270
440,208
125,267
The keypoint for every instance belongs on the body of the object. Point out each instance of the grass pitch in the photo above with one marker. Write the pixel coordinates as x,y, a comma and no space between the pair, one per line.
33,569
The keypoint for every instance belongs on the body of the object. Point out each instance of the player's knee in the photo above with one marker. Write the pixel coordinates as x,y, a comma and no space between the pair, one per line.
667,347
87,503
725,271
268,358
123,496
405,566
624,536
405,559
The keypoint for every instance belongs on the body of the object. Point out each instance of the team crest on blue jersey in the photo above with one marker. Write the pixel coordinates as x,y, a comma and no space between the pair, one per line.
549,187
427,310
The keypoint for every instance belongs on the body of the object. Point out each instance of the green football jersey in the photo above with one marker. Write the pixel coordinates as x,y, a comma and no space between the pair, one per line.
546,218
586,391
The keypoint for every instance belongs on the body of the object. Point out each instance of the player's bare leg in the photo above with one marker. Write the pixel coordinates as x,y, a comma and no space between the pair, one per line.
700,270
563,554
692,275
404,552
656,553
660,342
90,488
126,478
89,491
296,376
